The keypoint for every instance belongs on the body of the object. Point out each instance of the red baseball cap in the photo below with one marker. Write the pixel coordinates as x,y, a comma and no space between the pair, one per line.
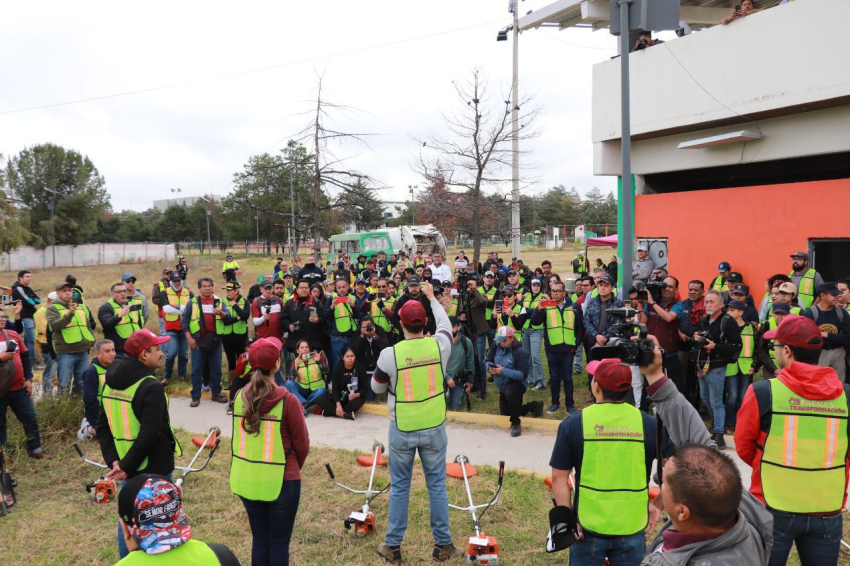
412,313
264,353
796,330
141,340
611,374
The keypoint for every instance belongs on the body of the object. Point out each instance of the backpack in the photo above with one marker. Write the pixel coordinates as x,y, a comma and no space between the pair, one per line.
815,312
7,371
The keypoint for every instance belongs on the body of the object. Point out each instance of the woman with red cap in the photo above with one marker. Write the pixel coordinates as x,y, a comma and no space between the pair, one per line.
269,447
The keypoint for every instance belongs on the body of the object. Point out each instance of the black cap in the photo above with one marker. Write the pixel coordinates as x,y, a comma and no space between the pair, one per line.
413,280
734,277
606,279
783,308
740,289
801,255
830,288
447,283
513,272
175,277
267,283
508,289
737,305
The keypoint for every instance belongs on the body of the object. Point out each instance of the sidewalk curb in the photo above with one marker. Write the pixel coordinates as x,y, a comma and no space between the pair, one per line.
528,423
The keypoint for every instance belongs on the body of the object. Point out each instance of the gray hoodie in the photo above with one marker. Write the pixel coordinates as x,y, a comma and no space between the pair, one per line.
749,541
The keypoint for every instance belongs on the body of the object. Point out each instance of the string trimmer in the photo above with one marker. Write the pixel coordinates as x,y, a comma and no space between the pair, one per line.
362,522
480,549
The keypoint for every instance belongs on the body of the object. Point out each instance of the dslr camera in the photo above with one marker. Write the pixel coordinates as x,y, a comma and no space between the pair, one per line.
267,304
297,325
620,345
463,377
654,288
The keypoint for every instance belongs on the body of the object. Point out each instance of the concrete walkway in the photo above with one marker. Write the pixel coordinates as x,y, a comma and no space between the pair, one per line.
483,443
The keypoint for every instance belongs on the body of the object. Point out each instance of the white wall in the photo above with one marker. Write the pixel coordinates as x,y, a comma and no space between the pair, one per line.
87,254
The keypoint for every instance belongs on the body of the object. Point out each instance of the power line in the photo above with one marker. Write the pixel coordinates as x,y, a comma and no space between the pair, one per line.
248,71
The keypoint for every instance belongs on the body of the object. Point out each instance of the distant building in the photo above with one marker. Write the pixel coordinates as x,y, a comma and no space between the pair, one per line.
390,210
164,204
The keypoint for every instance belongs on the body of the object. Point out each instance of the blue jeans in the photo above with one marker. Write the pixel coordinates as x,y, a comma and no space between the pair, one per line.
272,523
431,445
711,392
29,336
577,363
161,326
49,366
338,344
305,396
561,369
620,551
481,351
72,366
24,410
736,387
818,538
177,346
456,397
199,358
532,340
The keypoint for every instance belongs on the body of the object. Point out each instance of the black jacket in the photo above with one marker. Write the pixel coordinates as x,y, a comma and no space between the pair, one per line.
726,335
298,310
108,321
367,352
150,407
431,326
312,273
28,298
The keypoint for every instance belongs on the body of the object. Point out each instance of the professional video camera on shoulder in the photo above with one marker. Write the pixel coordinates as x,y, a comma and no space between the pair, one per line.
654,288
621,345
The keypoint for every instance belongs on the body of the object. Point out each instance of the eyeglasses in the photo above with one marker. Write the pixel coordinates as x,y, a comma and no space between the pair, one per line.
507,295
121,291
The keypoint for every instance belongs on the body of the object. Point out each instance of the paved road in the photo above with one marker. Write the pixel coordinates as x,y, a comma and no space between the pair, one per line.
481,444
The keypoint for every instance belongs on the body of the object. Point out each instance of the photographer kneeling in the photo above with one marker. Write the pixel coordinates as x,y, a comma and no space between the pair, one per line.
347,381
508,363
461,366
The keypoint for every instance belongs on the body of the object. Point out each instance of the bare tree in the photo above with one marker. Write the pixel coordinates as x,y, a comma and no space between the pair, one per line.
474,155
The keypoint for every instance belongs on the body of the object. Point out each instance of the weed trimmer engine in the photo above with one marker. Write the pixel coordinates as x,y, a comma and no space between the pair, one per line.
102,490
480,549
362,522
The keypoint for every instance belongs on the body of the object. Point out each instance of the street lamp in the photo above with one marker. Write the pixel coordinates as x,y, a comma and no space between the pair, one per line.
52,206
412,202
176,191
257,218
209,240
502,35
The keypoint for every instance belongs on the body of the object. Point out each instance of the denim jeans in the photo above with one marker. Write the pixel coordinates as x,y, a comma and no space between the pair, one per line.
161,326
456,397
24,410
532,340
620,551
50,365
577,363
29,336
481,343
305,396
72,366
818,538
431,445
272,523
338,344
177,346
736,387
711,391
561,369
199,358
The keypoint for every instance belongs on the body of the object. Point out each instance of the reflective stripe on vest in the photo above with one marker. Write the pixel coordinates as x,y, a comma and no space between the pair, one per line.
560,328
309,376
378,316
138,300
117,405
802,468
806,288
420,402
190,553
453,309
772,325
128,324
176,301
78,328
101,379
613,486
489,295
239,327
499,324
195,320
343,316
529,303
258,460
745,358
582,268
719,284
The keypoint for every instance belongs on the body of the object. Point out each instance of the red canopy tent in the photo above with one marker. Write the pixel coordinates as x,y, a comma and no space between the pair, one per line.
607,241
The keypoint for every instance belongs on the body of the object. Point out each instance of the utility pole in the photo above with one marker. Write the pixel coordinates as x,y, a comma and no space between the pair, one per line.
515,228
52,225
412,204
627,236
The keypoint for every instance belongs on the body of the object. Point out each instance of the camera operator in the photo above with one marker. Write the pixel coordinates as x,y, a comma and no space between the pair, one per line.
718,343
348,378
367,347
266,313
473,314
302,318
596,322
379,307
413,292
693,309
508,364
118,318
663,312
461,366
645,40
341,315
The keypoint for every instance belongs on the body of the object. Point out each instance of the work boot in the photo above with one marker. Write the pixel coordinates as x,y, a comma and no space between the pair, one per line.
392,554
719,440
195,403
516,430
540,387
219,399
41,456
537,409
445,552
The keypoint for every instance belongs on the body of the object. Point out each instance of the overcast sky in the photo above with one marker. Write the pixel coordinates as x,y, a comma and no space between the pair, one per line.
195,126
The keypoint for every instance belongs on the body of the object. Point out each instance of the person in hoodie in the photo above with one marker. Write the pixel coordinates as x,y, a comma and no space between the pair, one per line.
268,478
509,364
793,431
133,427
311,272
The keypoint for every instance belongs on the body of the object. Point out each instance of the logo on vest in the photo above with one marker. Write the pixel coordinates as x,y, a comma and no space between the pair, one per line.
421,361
616,431
797,404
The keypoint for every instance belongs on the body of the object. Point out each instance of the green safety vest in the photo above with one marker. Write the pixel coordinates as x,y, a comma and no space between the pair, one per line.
802,468
240,326
530,302
719,284
560,328
101,379
574,298
138,300
258,460
453,309
78,328
613,487
229,265
195,320
745,359
117,405
378,316
309,376
128,324
343,316
771,325
489,295
806,288
499,324
175,301
420,401
190,553
582,264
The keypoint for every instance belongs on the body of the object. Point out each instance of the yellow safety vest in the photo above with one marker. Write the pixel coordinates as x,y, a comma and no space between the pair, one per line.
240,326
343,315
309,375
137,300
378,315
190,553
101,379
560,328
530,302
176,301
78,328
719,284
195,320
489,295
806,288
258,461
745,359
499,324
229,265
128,324
420,401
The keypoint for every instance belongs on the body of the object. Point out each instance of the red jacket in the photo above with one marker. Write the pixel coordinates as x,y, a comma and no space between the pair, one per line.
807,381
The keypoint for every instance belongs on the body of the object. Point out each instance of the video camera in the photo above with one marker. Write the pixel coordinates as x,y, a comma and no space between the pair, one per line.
653,288
267,304
620,345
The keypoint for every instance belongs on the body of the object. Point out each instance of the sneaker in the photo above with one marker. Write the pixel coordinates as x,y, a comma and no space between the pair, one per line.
571,410
219,399
719,440
348,416
540,387
229,410
41,456
730,431
445,552
553,408
392,554
516,430
537,409
205,388
306,413
195,403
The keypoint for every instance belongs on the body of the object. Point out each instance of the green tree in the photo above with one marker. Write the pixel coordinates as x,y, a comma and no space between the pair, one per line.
49,176
360,207
598,210
12,220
